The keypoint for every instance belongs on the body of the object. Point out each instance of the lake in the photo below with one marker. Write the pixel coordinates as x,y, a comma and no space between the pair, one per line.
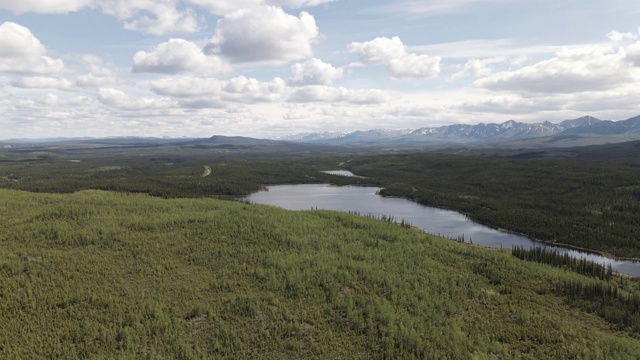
446,223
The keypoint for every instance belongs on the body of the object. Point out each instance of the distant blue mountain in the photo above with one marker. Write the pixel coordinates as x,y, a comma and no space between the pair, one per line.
480,133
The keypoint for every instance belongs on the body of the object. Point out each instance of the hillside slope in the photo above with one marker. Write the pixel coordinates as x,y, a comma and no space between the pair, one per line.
107,275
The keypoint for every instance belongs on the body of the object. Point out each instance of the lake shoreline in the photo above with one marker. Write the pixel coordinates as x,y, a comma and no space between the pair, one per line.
436,221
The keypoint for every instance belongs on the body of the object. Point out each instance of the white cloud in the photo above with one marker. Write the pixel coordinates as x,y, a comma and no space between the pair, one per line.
98,74
633,54
93,81
44,6
315,72
511,104
165,16
214,93
477,67
187,87
379,50
22,53
320,93
619,37
178,56
17,41
119,99
264,34
201,92
467,49
113,97
43,82
247,90
166,20
571,70
392,53
156,17
414,66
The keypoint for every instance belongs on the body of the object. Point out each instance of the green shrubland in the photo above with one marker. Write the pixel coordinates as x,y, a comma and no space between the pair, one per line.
98,274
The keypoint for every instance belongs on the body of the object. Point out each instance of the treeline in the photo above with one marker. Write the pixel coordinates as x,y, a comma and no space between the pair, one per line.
589,205
174,175
554,257
606,299
382,217
612,300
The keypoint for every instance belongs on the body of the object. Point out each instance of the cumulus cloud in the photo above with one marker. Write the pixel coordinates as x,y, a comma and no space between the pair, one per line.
178,56
412,66
477,67
617,36
22,53
201,92
187,87
264,34
379,50
570,71
633,54
98,74
329,94
315,72
158,17
119,99
161,17
392,53
43,82
247,90
165,16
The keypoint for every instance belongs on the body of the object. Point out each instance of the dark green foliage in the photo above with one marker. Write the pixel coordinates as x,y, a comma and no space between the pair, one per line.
563,260
606,299
586,205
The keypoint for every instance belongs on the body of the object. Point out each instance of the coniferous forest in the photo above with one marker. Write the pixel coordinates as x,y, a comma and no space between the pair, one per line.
142,253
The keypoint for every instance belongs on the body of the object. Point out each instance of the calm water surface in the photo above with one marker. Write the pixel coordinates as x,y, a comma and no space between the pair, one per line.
346,173
432,220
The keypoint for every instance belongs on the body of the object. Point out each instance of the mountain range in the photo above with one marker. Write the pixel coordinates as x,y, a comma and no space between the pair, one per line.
586,129
583,131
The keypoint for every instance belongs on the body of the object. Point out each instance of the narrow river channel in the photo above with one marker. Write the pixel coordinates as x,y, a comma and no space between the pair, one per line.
446,223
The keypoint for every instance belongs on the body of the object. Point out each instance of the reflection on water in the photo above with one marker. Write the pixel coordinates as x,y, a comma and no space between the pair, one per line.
346,173
436,221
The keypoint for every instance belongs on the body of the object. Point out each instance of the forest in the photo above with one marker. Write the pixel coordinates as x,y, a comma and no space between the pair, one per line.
144,252
587,205
573,197
99,274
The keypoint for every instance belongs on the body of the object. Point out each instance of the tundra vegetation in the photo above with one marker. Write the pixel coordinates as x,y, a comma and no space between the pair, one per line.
131,253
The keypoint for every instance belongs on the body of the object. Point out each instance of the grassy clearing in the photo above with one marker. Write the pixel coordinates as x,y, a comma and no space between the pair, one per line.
112,275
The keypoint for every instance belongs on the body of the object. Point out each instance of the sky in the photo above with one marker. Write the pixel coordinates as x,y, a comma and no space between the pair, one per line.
268,68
